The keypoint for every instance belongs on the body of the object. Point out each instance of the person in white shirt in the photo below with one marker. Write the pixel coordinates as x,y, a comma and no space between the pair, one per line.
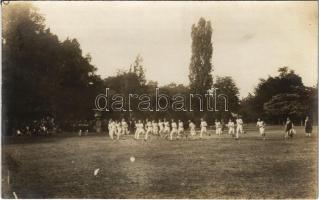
180,130
167,129
161,127
218,127
149,129
118,129
124,127
139,129
203,127
111,128
155,127
261,125
114,128
239,129
192,128
231,127
174,129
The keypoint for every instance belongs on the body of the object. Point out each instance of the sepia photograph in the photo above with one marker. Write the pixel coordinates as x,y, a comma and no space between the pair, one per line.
159,100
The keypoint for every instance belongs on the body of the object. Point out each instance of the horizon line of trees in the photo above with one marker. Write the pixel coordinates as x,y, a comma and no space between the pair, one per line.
43,76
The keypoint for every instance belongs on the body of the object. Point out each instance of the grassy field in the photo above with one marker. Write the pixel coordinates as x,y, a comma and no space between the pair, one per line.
62,166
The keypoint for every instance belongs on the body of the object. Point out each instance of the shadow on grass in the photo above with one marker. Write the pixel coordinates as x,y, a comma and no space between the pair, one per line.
8,140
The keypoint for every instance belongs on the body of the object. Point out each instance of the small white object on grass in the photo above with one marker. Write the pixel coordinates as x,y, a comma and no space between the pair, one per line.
96,171
132,158
15,195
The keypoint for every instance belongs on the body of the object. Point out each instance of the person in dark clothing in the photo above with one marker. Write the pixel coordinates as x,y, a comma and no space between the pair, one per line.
289,128
308,126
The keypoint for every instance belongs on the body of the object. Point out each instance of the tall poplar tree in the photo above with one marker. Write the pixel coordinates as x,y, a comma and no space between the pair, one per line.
202,49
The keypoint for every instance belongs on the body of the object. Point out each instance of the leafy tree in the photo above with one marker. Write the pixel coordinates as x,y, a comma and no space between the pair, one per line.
313,102
131,81
176,89
42,75
138,68
282,105
297,105
226,86
23,67
200,67
266,89
247,109
280,96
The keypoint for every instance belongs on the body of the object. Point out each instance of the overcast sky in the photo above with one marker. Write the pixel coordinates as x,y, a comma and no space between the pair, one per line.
250,39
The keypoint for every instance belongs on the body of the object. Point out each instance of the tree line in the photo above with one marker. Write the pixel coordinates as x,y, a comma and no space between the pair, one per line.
44,76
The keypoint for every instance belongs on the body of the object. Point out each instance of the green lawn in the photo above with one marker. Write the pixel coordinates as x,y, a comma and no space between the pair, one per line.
62,166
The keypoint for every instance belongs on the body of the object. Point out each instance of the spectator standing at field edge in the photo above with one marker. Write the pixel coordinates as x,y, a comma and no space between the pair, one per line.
308,126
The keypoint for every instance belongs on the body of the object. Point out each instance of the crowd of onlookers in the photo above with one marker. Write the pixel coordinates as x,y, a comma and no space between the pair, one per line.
43,126
48,126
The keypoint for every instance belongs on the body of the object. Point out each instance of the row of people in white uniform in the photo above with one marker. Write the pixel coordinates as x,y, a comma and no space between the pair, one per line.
239,127
162,128
117,128
168,130
234,128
